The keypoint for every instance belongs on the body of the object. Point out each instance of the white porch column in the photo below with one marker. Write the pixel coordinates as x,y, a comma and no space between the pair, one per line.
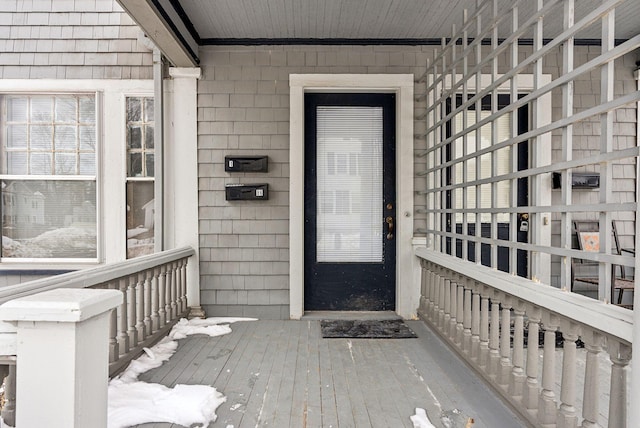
634,411
62,357
181,185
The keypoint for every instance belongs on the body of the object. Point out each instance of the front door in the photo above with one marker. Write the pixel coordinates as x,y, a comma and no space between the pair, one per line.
350,205
504,166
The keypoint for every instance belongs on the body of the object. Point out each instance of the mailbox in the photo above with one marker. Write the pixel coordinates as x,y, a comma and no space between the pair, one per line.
246,163
579,180
246,192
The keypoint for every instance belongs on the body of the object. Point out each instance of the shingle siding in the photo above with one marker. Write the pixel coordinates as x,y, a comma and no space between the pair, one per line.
52,39
243,110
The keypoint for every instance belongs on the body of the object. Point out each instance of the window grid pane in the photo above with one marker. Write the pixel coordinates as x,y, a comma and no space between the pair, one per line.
60,127
44,219
140,143
140,218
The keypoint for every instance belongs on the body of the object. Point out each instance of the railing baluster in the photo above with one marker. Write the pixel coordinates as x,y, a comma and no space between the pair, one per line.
447,305
114,351
148,327
504,371
494,339
133,310
155,300
620,355
517,374
567,415
435,279
140,307
460,313
446,319
484,328
174,291
547,406
123,335
430,294
453,306
167,291
441,286
436,297
475,325
467,338
183,284
531,394
590,402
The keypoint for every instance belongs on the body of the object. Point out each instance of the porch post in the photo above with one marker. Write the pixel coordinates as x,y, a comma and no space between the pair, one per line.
634,411
62,356
181,184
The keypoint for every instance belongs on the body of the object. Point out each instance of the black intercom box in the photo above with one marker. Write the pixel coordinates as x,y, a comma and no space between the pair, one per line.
579,180
246,163
246,192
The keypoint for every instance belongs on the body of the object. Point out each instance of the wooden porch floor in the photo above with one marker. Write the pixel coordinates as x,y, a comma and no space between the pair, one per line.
284,374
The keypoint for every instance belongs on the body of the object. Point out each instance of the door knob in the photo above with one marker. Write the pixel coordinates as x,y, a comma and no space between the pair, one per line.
389,221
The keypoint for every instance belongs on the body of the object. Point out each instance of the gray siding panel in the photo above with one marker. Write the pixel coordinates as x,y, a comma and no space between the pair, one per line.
70,39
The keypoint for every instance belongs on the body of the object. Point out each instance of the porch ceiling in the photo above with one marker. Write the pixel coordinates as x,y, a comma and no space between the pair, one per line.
206,22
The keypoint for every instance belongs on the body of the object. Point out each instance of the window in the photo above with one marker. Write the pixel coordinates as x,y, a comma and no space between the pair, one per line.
48,176
140,172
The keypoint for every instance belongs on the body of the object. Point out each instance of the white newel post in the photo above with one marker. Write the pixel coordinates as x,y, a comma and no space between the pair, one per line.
62,356
181,181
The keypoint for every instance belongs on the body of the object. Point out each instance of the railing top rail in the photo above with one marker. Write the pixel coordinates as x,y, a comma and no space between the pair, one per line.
610,320
94,276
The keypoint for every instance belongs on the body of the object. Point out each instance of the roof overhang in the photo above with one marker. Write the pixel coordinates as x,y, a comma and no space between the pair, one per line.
163,24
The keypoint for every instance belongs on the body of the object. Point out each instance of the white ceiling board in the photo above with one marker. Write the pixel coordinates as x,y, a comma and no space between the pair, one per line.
368,19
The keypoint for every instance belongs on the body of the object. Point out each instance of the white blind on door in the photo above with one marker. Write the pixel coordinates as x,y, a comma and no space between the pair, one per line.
349,184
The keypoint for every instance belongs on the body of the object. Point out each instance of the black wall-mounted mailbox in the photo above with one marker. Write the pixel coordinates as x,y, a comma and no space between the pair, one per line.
246,192
579,180
246,163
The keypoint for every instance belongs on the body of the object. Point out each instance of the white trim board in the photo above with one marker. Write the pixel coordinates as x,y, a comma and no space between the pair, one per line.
407,291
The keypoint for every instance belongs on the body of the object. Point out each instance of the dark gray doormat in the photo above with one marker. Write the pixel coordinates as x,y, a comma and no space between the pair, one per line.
366,329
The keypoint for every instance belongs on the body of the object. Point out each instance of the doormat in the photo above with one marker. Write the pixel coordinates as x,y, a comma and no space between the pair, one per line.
366,329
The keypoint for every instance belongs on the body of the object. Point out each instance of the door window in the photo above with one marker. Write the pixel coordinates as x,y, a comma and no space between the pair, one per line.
349,156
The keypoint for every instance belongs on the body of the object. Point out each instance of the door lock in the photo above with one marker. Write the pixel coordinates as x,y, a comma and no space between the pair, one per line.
524,223
389,221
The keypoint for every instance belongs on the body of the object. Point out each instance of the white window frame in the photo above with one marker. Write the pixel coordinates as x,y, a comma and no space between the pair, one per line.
110,167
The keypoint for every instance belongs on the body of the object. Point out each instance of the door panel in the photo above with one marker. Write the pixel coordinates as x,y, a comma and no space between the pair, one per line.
349,202
504,162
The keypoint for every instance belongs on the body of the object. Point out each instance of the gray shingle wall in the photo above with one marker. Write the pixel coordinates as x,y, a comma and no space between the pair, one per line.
70,39
587,143
243,109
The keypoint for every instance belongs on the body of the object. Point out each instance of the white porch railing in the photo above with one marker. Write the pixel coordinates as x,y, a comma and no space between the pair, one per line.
154,290
484,315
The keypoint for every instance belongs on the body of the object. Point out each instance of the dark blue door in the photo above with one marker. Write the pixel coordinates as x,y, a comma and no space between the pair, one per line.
350,211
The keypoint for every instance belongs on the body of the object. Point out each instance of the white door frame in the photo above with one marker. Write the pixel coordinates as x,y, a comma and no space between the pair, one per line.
407,292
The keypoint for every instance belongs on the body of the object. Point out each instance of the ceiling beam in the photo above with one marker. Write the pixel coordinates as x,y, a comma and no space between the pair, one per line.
162,24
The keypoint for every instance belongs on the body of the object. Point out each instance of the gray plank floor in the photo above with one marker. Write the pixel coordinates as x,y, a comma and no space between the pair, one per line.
284,374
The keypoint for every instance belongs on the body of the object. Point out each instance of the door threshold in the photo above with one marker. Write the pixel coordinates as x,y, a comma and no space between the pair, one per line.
350,315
